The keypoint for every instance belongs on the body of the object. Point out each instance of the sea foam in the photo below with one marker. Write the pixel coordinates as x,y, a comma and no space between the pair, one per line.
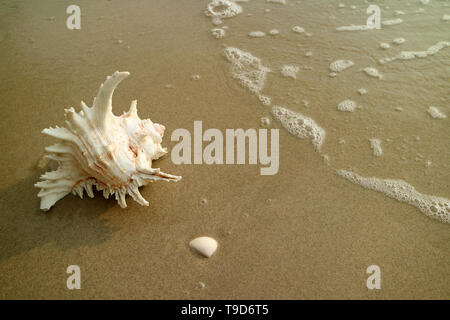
375,144
300,126
432,206
408,55
341,65
435,113
347,105
223,9
247,69
290,71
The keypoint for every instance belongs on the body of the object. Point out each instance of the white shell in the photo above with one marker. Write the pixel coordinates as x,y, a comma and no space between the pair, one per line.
97,148
206,246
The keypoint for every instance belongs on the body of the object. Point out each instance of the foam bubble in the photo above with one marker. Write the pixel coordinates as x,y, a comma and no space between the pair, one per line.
257,34
265,100
274,32
399,12
341,65
347,105
298,29
409,55
218,33
435,113
216,21
362,91
446,17
247,69
432,206
375,144
300,125
372,72
223,9
384,45
399,40
290,71
265,122
425,2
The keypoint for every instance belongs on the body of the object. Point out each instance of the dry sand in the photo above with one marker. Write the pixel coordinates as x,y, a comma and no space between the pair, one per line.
304,233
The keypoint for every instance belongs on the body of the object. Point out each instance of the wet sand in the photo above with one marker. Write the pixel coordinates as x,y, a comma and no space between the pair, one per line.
304,233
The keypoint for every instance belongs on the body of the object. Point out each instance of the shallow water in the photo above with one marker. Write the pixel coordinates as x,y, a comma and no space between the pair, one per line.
303,233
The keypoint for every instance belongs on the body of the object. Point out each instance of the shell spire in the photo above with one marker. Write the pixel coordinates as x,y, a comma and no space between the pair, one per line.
97,149
102,106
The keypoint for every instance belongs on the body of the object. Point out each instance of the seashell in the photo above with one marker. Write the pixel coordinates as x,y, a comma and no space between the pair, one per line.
206,246
97,148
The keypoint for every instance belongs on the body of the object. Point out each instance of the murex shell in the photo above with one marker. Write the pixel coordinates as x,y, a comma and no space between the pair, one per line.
97,148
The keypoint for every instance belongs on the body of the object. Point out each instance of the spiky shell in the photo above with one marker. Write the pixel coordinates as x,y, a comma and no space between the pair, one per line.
97,148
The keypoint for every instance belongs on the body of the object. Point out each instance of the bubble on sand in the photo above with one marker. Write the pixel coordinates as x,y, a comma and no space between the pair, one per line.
425,2
362,91
265,122
341,65
298,29
372,72
399,12
216,21
375,144
195,77
347,106
300,125
392,22
265,100
446,17
409,55
201,285
223,9
384,45
247,69
435,113
218,33
308,54
274,32
290,71
399,40
432,206
257,34
399,109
